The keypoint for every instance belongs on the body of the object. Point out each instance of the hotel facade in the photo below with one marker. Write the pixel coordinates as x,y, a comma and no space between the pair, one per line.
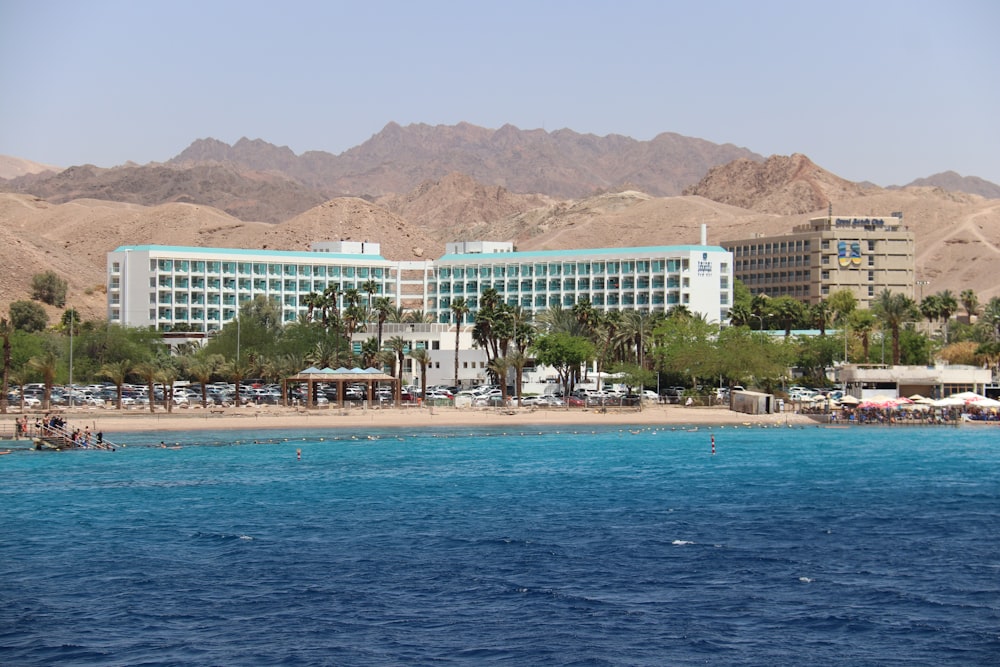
203,288
863,254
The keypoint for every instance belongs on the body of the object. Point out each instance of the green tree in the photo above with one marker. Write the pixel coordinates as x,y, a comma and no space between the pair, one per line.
28,316
399,346
788,311
116,372
862,323
750,357
149,371
894,310
423,358
6,331
49,288
382,308
565,353
46,365
970,302
686,347
202,367
518,360
498,367
948,307
635,376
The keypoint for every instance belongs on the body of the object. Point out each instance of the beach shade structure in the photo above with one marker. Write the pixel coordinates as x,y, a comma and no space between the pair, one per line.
916,398
849,400
950,402
984,403
968,396
341,378
880,401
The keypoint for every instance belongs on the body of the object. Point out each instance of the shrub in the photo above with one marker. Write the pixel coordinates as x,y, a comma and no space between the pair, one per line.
28,316
49,288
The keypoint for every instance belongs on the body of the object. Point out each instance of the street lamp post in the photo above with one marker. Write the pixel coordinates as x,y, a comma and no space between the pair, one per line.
920,289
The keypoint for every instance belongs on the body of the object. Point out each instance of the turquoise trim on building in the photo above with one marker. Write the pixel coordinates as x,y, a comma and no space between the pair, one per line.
288,254
471,258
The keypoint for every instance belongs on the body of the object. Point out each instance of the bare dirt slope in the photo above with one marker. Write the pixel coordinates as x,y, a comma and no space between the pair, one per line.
73,239
957,247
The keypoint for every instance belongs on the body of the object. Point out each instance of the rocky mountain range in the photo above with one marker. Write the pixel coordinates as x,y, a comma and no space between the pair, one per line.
256,195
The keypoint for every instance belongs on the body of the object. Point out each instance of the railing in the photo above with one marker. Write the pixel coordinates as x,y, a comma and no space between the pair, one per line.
64,436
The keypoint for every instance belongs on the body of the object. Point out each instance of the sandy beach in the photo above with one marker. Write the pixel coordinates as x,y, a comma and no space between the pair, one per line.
271,417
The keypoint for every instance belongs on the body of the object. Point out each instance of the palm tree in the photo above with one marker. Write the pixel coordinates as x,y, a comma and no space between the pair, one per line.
417,316
369,352
117,372
149,371
821,315
329,302
422,357
312,301
202,370
325,354
949,304
499,366
237,370
353,316
459,308
991,316
788,312
862,322
517,359
6,329
20,377
45,365
167,376
970,302
895,310
398,345
369,287
382,308
930,308
740,315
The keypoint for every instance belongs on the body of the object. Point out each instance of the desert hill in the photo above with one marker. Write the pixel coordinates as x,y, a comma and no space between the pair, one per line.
257,181
14,167
73,239
245,194
958,235
953,182
562,163
782,184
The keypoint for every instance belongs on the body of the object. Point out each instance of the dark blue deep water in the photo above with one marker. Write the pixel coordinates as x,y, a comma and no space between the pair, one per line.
863,546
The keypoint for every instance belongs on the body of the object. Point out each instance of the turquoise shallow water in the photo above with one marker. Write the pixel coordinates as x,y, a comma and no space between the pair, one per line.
535,546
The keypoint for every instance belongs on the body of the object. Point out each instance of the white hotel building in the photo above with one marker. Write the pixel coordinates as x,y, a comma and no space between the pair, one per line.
202,288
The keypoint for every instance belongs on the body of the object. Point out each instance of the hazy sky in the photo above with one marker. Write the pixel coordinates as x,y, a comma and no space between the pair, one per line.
885,91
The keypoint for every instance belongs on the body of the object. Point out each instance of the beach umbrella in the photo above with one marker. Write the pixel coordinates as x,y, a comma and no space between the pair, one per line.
984,403
849,400
950,402
917,398
879,401
967,396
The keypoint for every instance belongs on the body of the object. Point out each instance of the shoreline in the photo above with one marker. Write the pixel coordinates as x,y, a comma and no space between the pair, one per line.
271,418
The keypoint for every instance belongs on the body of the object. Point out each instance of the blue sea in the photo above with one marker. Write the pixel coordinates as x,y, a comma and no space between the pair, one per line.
535,546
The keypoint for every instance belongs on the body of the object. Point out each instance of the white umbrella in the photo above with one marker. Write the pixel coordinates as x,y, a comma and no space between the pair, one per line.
950,402
967,396
984,403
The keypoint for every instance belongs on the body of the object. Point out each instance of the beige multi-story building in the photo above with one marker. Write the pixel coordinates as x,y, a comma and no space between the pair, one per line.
863,254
